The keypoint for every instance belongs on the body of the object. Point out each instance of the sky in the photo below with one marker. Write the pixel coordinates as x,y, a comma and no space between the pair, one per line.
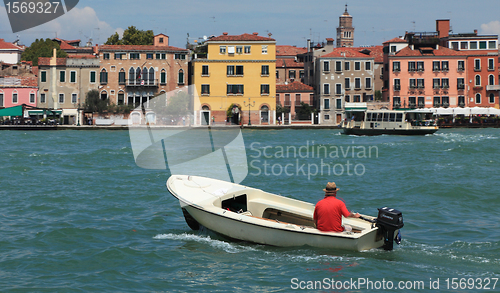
290,22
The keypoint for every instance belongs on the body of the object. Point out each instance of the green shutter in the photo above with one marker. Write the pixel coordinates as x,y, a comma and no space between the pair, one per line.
43,76
62,76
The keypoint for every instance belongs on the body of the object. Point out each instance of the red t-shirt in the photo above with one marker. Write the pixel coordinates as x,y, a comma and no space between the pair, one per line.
328,214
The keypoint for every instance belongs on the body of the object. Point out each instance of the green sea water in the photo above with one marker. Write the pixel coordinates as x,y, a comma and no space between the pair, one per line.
78,215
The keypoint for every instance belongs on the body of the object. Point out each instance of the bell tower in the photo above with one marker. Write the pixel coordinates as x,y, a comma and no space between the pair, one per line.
345,30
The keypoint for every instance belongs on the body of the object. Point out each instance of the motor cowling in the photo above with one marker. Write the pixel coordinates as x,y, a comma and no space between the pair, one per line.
388,221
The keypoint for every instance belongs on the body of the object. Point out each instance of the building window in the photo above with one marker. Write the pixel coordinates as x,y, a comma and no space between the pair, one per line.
14,98
326,104
338,89
482,45
161,41
435,66
121,77
396,66
264,70
163,76
92,77
347,65
230,70
357,65
338,103
103,77
461,65
492,45
297,99
356,98
72,76
491,80
264,89
149,56
105,56
460,83
204,70
473,45
368,65
491,64
62,76
278,99
420,83
347,83
32,98
239,70
326,89
477,64
412,103
461,101
396,102
437,101
301,73
421,102
445,65
478,80
411,66
454,45
264,49
239,49
492,98
464,45
436,83
326,66
179,56
287,100
445,83
347,98
181,76
74,98
338,66
247,49
135,56
119,56
235,89
357,83
121,98
445,101
327,117
42,98
397,84
43,76
205,89
277,74
222,49
413,83
61,98
291,74
420,65
478,98
393,49
368,82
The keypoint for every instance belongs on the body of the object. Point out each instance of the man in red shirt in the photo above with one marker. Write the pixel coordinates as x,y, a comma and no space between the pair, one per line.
329,211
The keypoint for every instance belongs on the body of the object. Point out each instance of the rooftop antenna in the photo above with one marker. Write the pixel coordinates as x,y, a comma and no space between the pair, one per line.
413,25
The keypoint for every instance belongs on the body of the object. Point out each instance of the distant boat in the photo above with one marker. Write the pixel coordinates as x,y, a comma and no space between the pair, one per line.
377,122
253,215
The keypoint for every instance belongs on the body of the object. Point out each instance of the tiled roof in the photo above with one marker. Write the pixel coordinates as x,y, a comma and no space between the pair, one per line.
346,52
287,50
34,70
139,48
442,51
376,52
82,57
30,81
288,63
294,87
8,46
244,37
395,40
45,61
65,46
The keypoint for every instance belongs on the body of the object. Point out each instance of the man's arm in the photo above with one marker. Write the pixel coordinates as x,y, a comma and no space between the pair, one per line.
354,215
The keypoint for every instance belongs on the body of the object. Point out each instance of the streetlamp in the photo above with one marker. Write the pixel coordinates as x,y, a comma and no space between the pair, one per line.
249,105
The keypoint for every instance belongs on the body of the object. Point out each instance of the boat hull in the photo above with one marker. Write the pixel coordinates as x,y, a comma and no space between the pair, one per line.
362,131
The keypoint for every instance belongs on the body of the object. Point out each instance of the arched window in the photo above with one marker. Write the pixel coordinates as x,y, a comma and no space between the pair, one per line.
491,80
163,77
131,74
104,76
478,98
151,76
478,80
138,74
181,76
205,108
145,74
121,76
264,114
104,95
492,98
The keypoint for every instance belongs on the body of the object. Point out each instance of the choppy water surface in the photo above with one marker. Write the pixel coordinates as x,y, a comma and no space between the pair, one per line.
78,215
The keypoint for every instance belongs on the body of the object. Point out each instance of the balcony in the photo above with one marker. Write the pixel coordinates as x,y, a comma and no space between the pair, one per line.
412,105
421,105
460,69
461,104
397,87
445,105
460,87
396,105
142,82
493,87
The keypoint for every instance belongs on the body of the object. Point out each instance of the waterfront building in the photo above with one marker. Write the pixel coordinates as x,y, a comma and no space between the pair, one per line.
18,90
344,75
64,83
235,77
72,47
10,53
134,74
439,69
290,96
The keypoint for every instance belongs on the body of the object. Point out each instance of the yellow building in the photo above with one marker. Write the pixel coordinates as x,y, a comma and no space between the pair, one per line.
236,70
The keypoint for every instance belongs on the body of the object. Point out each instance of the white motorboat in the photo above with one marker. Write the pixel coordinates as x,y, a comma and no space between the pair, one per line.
253,215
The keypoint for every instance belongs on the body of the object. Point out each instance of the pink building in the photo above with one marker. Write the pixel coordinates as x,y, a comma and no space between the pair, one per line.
15,91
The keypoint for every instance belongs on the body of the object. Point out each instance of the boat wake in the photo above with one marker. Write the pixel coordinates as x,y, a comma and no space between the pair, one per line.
207,240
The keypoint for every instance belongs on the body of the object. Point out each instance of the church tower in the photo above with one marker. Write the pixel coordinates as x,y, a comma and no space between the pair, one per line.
345,31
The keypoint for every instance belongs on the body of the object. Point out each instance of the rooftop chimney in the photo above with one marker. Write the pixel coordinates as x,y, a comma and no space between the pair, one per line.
224,33
255,34
443,28
475,32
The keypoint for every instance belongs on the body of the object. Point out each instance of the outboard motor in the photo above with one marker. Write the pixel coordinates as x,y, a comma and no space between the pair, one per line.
388,221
